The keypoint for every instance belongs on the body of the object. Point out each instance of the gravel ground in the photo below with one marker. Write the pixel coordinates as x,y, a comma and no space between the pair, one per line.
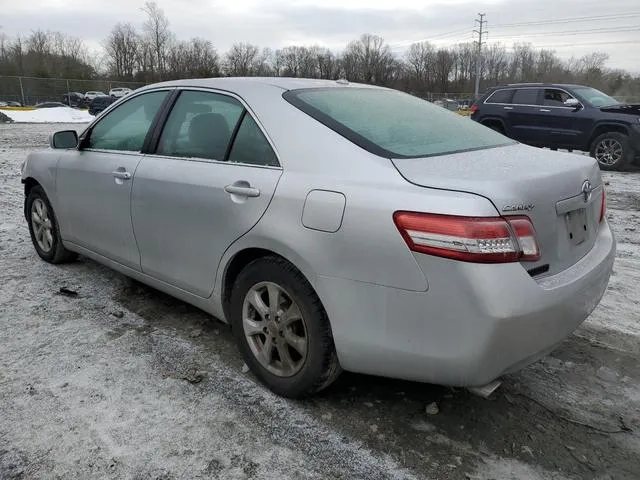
122,381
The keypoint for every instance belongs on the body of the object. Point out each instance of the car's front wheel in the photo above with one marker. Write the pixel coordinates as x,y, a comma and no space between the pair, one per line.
282,329
43,228
612,151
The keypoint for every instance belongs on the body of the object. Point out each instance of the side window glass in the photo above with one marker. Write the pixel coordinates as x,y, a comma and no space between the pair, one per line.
126,127
200,125
501,96
526,96
555,98
250,145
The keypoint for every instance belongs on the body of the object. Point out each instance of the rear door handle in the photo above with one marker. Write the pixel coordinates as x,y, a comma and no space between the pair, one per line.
544,110
508,108
241,190
122,175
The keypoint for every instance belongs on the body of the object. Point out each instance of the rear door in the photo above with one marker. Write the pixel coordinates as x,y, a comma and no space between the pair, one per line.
522,116
210,180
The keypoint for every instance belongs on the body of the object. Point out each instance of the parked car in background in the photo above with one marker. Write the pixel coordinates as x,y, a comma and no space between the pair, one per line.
13,104
99,103
51,105
93,94
73,99
564,116
334,225
119,92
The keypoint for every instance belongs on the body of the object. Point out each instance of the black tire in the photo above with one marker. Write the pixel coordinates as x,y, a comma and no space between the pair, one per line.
321,366
622,160
56,253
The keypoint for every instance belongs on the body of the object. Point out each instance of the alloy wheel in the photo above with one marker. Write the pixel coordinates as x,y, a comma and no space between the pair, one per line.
275,329
609,151
42,225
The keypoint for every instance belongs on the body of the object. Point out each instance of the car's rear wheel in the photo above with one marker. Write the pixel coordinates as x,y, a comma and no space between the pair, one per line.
612,151
43,228
282,329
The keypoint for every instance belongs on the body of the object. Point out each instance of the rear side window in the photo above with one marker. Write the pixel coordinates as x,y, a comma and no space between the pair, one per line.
200,125
250,145
393,124
526,96
500,96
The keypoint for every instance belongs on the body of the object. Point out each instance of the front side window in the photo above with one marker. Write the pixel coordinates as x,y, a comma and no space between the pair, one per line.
200,125
555,98
250,145
393,124
126,127
526,96
501,96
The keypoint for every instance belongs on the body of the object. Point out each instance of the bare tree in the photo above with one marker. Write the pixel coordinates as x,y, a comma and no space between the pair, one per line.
121,47
158,35
420,59
369,60
240,60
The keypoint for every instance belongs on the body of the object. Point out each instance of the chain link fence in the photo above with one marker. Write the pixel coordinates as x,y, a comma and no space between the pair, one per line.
33,90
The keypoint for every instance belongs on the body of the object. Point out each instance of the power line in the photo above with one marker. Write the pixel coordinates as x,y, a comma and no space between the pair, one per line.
571,20
438,36
614,42
594,31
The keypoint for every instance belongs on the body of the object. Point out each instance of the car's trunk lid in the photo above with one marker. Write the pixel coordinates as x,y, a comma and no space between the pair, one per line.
520,180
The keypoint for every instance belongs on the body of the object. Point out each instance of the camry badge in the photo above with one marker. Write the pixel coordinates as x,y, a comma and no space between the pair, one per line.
526,207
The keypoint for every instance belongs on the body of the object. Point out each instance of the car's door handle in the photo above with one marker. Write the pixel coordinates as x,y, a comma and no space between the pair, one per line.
122,175
244,190
545,110
508,108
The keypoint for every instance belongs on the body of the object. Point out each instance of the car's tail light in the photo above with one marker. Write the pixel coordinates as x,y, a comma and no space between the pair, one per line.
469,239
603,206
474,108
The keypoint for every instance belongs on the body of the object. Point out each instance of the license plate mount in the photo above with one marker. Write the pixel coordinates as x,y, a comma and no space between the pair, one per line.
577,225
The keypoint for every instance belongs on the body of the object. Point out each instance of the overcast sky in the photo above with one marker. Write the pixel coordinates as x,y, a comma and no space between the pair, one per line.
332,23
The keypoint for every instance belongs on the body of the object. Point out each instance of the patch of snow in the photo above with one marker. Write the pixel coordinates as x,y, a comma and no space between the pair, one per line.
49,115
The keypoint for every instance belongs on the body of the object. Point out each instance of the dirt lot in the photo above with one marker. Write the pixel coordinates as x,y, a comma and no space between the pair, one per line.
125,382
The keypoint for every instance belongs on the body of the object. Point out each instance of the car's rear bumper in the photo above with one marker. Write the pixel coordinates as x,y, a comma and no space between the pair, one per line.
475,322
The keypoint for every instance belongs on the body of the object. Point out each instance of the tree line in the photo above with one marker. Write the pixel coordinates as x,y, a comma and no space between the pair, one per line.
152,53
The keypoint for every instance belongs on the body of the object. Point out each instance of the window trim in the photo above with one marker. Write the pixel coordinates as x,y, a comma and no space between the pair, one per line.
537,87
246,110
84,136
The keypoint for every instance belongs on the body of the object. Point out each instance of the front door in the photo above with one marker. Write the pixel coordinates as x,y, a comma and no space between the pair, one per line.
567,127
93,183
210,180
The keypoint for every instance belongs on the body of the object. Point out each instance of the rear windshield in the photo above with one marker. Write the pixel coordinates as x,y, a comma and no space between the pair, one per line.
393,124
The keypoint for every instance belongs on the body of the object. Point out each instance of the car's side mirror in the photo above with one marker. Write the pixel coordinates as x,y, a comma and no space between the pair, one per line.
65,139
572,102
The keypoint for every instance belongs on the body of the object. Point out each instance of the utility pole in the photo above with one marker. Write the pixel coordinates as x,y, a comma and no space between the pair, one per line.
481,33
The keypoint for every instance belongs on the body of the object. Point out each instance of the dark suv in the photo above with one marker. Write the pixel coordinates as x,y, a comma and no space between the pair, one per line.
564,116
99,103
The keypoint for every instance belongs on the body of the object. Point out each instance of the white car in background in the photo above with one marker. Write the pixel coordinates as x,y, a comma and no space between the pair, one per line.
93,94
119,92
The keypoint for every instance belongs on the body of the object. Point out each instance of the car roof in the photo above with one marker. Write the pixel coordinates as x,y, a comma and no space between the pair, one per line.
246,84
560,85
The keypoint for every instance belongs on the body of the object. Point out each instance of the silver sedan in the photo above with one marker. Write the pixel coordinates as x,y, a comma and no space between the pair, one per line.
333,225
